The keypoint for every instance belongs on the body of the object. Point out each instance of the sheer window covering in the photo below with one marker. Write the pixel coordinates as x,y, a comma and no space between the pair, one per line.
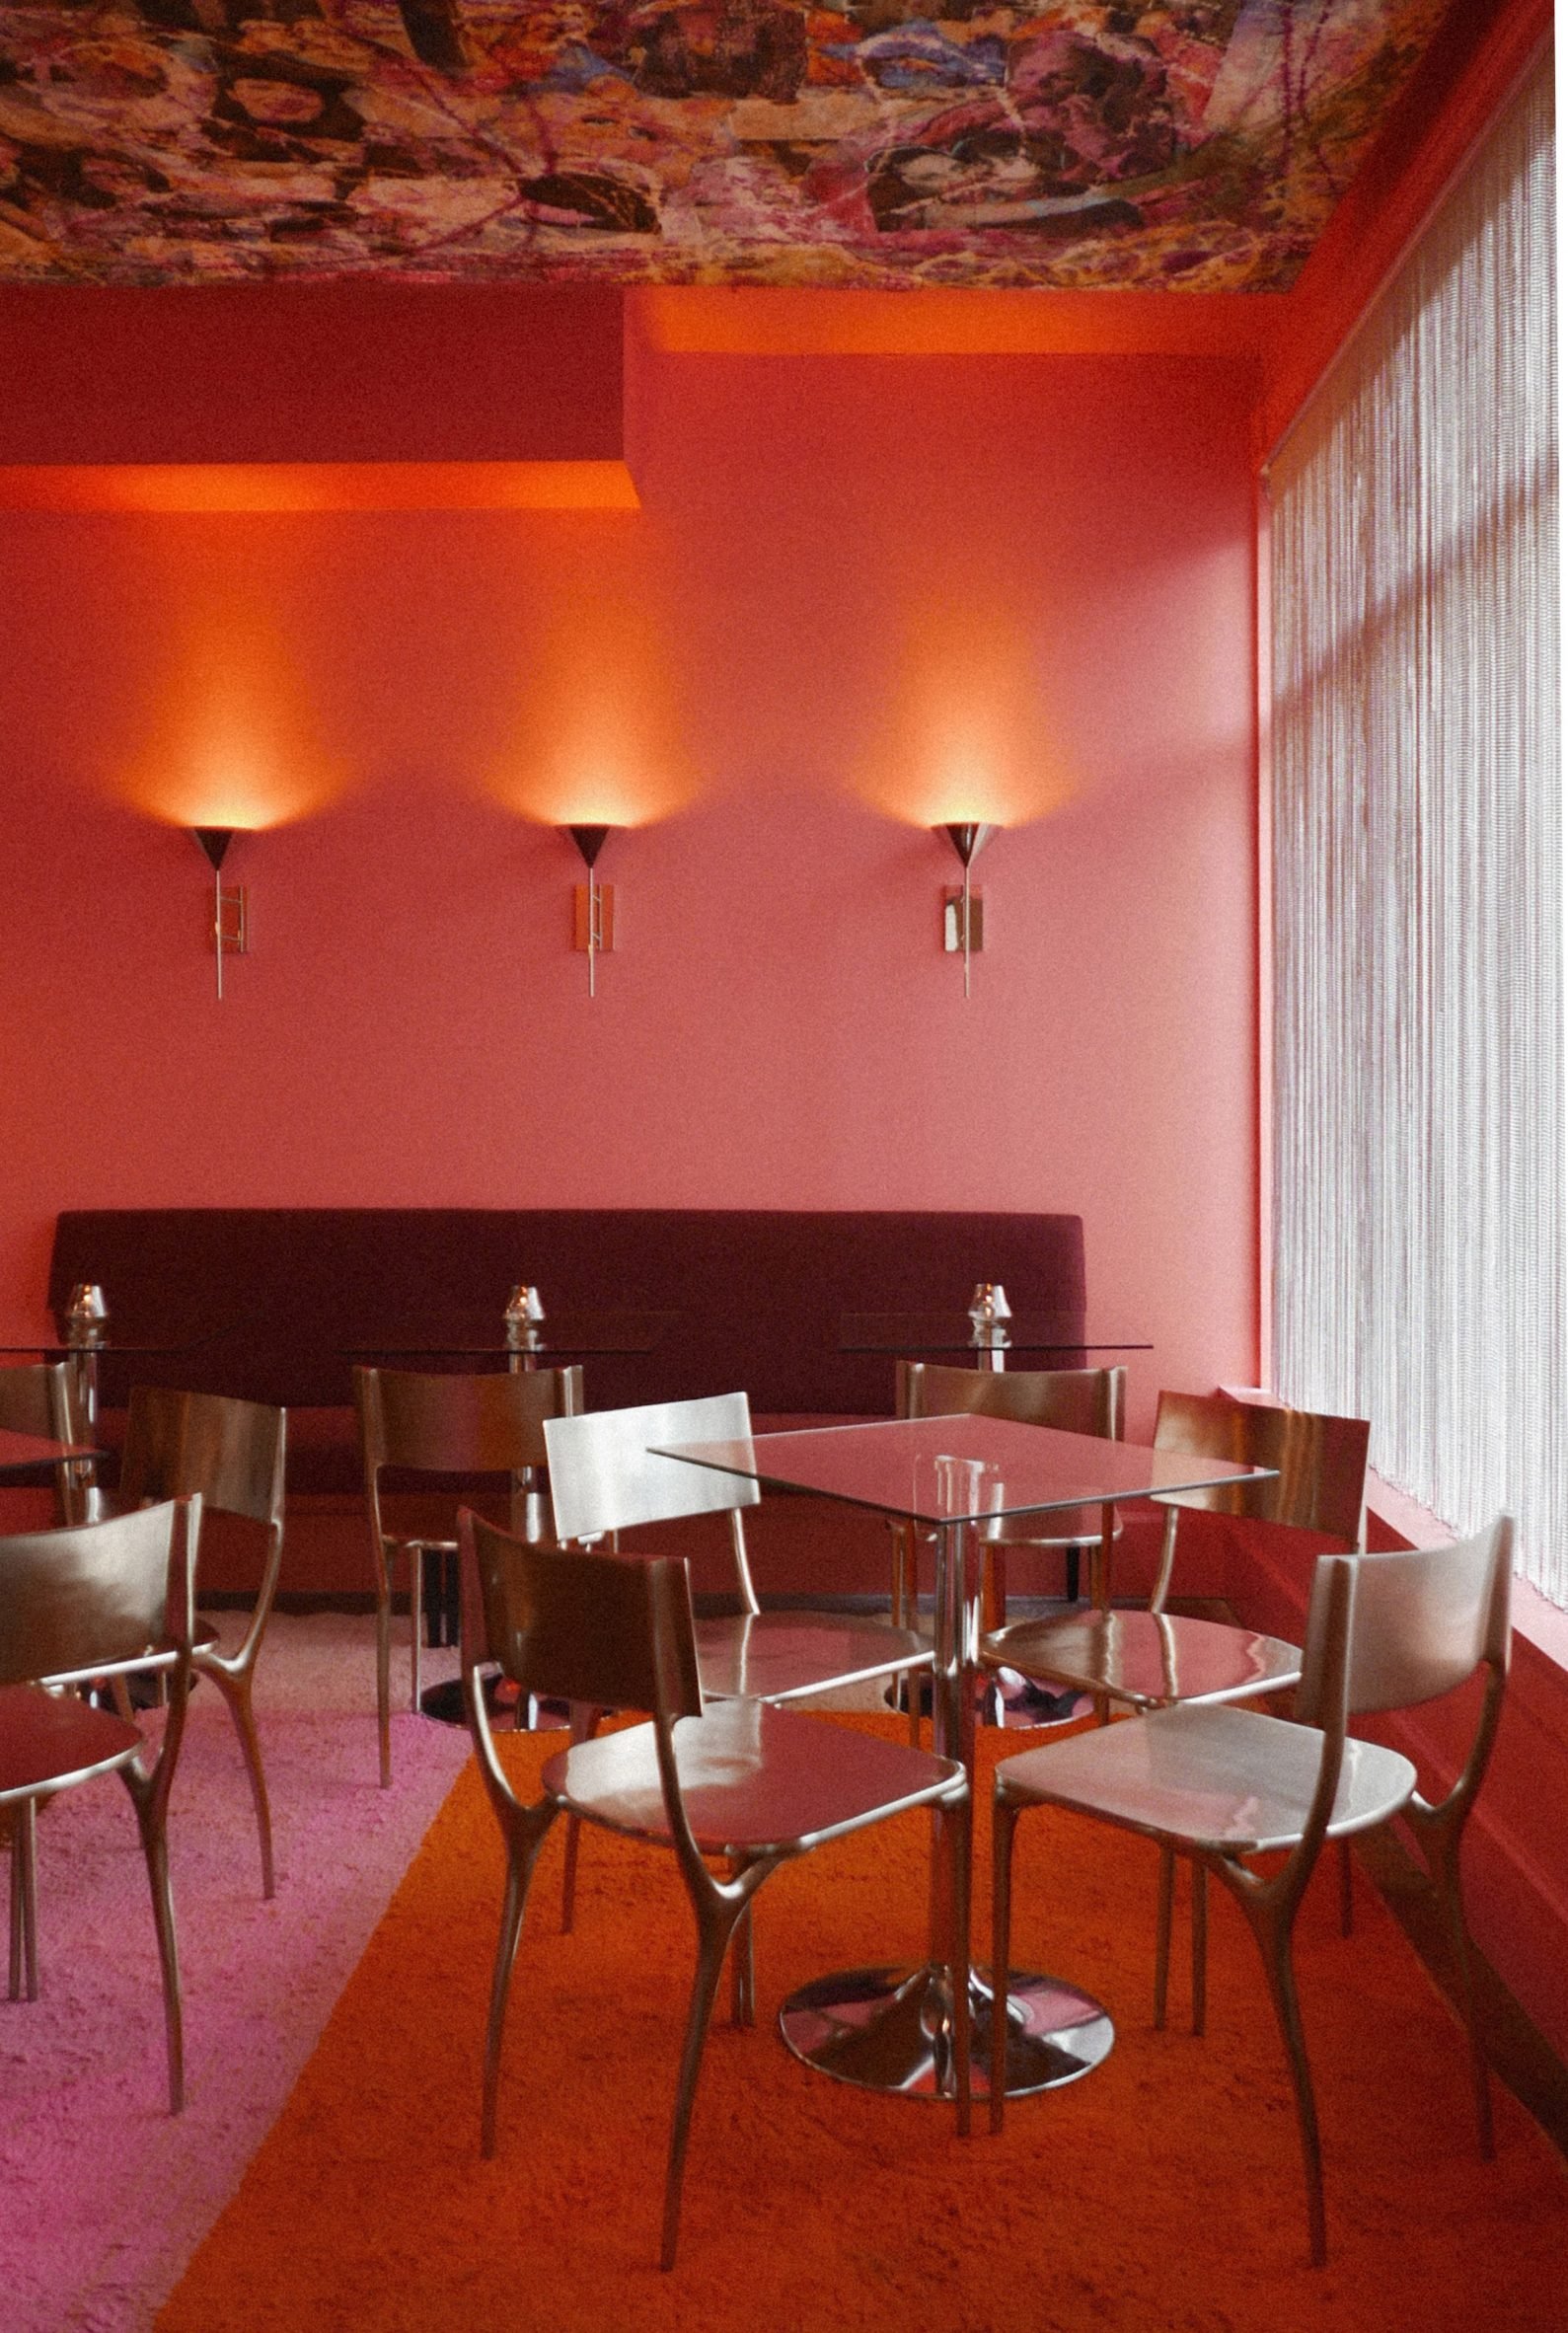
1419,1196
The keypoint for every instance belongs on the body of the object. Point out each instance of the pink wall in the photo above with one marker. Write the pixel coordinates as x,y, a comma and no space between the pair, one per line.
849,579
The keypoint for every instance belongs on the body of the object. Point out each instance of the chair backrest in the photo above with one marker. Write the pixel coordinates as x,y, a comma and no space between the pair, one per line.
439,1423
1074,1401
610,1631
1426,1619
232,1452
39,1398
98,1597
1320,1462
604,1477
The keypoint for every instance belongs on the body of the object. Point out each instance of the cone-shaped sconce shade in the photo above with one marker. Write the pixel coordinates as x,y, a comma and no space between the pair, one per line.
590,841
214,841
967,840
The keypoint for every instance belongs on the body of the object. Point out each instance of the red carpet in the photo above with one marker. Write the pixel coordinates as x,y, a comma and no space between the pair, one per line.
1162,2191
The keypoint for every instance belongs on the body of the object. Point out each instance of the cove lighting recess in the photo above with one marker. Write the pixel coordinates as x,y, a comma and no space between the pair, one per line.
964,908
593,902
231,931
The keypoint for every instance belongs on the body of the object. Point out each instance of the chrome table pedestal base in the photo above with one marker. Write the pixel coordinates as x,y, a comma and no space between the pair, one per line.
891,2029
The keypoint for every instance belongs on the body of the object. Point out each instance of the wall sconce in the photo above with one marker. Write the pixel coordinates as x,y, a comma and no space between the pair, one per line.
230,914
592,902
964,908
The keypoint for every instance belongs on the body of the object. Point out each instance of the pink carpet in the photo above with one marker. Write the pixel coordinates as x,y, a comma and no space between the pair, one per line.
102,2193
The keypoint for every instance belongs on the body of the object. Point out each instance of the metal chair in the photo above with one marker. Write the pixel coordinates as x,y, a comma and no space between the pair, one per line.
605,1480
1151,1658
1220,1784
1409,1661
1075,1402
92,1603
231,1453
40,1397
741,1783
452,1424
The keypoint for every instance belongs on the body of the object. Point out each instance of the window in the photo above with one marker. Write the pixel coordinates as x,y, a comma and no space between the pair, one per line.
1419,1196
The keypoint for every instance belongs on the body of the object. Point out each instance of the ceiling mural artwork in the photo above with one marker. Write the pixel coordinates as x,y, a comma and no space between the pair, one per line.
1183,144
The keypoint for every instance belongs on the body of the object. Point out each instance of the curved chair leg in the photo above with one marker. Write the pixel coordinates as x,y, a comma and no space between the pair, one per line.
15,1909
235,1687
584,1725
1443,1861
25,1899
1003,1823
384,1682
150,1803
716,1920
417,1615
1271,1924
1163,1925
743,1973
522,1853
1200,1949
569,1877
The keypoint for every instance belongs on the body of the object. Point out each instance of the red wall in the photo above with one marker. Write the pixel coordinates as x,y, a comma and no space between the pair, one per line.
848,577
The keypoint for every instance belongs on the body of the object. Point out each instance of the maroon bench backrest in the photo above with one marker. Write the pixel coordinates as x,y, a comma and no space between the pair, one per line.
279,1294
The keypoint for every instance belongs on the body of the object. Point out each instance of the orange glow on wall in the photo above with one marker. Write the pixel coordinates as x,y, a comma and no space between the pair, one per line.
689,320
227,738
269,488
968,734
597,738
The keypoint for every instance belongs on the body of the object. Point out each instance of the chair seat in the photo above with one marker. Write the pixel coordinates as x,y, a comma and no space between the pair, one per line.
1146,1658
1063,1526
1232,1781
755,1779
48,1741
776,1656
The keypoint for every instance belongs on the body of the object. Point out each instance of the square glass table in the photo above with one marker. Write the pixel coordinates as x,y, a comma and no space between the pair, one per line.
1059,1339
890,2028
477,1337
20,1453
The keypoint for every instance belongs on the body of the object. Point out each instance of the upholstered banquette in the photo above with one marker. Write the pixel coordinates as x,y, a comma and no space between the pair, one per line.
272,1303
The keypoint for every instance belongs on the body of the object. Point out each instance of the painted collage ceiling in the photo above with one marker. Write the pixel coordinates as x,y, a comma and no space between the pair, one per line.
1183,144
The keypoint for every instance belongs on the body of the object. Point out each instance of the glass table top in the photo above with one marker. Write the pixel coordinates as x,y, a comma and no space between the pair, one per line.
49,1345
955,1333
950,1470
476,1334
37,1449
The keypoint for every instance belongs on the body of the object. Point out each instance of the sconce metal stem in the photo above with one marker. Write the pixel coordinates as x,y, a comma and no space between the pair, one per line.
228,933
968,839
590,841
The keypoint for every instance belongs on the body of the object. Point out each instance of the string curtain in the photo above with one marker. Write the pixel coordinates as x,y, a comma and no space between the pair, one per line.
1418,945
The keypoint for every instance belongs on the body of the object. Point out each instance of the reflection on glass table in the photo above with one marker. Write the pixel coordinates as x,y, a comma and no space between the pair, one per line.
889,2028
1064,1337
82,1337
20,1453
480,1336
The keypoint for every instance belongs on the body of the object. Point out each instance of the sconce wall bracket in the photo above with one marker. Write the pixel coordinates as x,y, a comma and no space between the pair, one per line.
593,919
963,921
231,924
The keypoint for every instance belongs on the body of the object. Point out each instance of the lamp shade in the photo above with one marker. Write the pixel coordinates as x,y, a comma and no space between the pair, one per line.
214,841
967,840
590,841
